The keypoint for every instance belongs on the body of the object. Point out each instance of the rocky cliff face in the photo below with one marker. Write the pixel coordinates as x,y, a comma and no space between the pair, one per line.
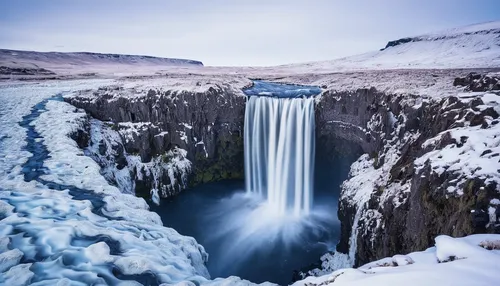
429,168
206,122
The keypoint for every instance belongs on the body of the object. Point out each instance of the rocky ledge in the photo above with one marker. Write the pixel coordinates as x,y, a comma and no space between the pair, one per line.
431,166
151,125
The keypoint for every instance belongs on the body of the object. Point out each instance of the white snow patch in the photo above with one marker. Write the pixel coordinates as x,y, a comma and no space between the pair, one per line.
453,261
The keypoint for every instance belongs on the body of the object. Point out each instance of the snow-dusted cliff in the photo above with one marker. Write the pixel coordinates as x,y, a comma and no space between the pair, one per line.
167,132
472,260
430,167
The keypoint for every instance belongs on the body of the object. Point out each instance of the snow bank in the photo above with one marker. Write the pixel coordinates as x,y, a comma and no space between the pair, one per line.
453,261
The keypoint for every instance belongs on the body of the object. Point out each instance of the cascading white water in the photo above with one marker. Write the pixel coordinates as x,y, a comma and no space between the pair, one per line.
279,152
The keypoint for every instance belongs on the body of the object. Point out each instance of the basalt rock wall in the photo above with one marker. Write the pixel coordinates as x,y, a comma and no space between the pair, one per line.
207,124
398,198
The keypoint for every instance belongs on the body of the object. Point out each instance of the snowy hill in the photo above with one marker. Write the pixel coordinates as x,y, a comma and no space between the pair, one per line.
29,62
474,46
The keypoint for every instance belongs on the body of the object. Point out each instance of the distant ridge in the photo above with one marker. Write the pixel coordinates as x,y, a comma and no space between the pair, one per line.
17,62
91,58
488,28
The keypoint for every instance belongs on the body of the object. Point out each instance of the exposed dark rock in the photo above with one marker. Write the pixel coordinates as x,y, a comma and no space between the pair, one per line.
82,135
24,71
227,162
477,82
398,42
208,125
338,116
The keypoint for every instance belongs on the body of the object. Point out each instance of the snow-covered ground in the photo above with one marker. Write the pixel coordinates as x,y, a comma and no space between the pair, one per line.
474,46
472,260
74,63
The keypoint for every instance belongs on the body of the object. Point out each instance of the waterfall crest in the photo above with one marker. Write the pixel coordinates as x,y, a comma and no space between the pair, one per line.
279,152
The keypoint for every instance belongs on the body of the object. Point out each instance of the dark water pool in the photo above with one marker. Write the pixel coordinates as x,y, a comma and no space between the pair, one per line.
242,239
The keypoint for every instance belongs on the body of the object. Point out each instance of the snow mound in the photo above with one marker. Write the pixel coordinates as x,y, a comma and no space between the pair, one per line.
453,261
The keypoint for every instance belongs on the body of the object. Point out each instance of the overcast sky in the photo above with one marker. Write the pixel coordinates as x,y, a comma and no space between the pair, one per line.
253,32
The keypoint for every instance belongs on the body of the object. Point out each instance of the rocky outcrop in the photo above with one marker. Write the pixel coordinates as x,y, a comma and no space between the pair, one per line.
477,82
24,71
398,42
151,122
345,115
405,191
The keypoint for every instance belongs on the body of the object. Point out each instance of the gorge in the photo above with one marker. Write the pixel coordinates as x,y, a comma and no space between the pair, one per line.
375,121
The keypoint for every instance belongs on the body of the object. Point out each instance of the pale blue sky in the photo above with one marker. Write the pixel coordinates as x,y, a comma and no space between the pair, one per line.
224,32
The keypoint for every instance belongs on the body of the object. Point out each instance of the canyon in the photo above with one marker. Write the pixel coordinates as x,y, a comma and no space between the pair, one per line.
396,212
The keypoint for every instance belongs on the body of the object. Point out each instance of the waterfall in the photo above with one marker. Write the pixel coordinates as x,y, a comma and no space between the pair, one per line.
279,152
